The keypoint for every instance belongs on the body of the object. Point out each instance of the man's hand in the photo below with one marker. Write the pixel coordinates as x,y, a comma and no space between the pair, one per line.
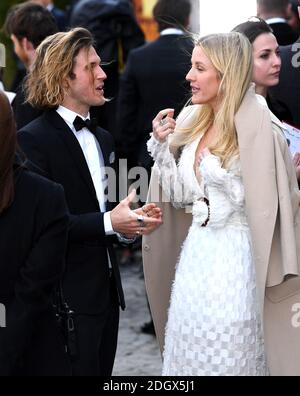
134,223
150,210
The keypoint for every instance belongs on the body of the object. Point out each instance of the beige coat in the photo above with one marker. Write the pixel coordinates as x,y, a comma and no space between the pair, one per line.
272,206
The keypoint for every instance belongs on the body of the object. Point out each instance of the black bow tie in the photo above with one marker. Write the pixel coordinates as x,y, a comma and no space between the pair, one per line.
79,123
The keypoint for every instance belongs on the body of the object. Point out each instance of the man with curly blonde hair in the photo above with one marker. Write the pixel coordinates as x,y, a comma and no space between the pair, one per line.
66,79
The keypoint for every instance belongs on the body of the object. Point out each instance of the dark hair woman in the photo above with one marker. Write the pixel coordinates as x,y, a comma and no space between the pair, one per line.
33,232
267,63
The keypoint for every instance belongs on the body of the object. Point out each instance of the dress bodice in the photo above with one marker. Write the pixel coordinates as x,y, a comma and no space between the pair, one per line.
186,189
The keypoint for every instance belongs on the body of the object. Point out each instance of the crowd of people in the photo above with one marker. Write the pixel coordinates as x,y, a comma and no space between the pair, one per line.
220,224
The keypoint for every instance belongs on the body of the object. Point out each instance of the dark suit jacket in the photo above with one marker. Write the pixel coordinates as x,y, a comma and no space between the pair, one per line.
288,89
154,79
60,18
33,236
51,145
284,33
24,113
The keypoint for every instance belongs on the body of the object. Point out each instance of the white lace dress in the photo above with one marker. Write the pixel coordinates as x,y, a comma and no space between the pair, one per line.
214,325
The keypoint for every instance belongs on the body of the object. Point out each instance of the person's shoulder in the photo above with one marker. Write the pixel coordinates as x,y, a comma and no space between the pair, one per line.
34,125
36,184
140,51
58,12
291,48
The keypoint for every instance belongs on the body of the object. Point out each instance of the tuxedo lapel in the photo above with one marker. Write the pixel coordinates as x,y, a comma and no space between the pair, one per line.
103,146
61,128
108,157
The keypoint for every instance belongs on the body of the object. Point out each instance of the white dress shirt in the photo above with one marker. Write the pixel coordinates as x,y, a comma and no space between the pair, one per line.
275,20
168,31
94,159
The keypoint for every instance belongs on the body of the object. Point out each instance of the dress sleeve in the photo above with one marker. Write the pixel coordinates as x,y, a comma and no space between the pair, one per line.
166,168
228,181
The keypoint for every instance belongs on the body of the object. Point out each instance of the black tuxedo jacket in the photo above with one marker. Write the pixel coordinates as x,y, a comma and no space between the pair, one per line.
288,89
33,237
154,79
284,33
52,147
24,113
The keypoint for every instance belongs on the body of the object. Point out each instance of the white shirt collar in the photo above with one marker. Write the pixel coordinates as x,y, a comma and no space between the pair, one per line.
69,115
50,7
275,20
171,31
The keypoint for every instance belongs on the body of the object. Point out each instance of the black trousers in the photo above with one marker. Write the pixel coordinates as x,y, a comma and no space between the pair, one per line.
97,340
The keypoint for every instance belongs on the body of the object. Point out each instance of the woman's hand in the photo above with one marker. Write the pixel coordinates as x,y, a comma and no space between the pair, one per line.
163,124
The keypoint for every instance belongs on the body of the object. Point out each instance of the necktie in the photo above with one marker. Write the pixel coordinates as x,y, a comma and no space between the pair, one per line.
79,123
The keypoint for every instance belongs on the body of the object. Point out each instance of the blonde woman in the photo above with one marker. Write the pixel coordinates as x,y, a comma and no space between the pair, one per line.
229,235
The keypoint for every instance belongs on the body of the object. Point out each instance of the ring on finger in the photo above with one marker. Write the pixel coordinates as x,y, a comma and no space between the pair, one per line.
140,219
163,122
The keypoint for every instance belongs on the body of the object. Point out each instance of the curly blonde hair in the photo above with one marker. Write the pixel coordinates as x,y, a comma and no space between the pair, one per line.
54,63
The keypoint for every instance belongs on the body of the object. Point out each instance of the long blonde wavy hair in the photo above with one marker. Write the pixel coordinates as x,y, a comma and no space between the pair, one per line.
54,63
231,56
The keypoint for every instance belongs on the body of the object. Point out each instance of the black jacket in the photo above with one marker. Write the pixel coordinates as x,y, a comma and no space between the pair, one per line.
33,236
288,89
24,113
50,145
284,33
116,33
154,79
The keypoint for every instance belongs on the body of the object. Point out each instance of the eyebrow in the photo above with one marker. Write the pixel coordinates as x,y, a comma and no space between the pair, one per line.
200,64
268,49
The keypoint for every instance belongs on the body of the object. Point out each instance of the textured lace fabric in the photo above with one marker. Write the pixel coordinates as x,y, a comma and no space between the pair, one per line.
214,325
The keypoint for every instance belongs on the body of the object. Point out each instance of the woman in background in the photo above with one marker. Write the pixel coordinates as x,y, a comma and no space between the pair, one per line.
267,63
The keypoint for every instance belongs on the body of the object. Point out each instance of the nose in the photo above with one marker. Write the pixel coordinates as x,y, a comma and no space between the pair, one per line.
100,75
277,60
189,76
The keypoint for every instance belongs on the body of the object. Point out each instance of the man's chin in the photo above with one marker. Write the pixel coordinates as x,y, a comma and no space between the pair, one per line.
99,102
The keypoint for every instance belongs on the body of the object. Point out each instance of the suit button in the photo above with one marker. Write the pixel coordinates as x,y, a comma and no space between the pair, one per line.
146,248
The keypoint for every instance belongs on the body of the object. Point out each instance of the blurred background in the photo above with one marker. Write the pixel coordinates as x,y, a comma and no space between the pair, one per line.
207,17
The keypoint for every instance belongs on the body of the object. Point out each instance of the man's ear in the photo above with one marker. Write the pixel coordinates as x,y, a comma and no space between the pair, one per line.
27,45
288,10
65,84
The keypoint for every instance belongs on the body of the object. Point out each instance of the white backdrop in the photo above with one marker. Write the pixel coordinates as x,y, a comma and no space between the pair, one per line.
218,16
